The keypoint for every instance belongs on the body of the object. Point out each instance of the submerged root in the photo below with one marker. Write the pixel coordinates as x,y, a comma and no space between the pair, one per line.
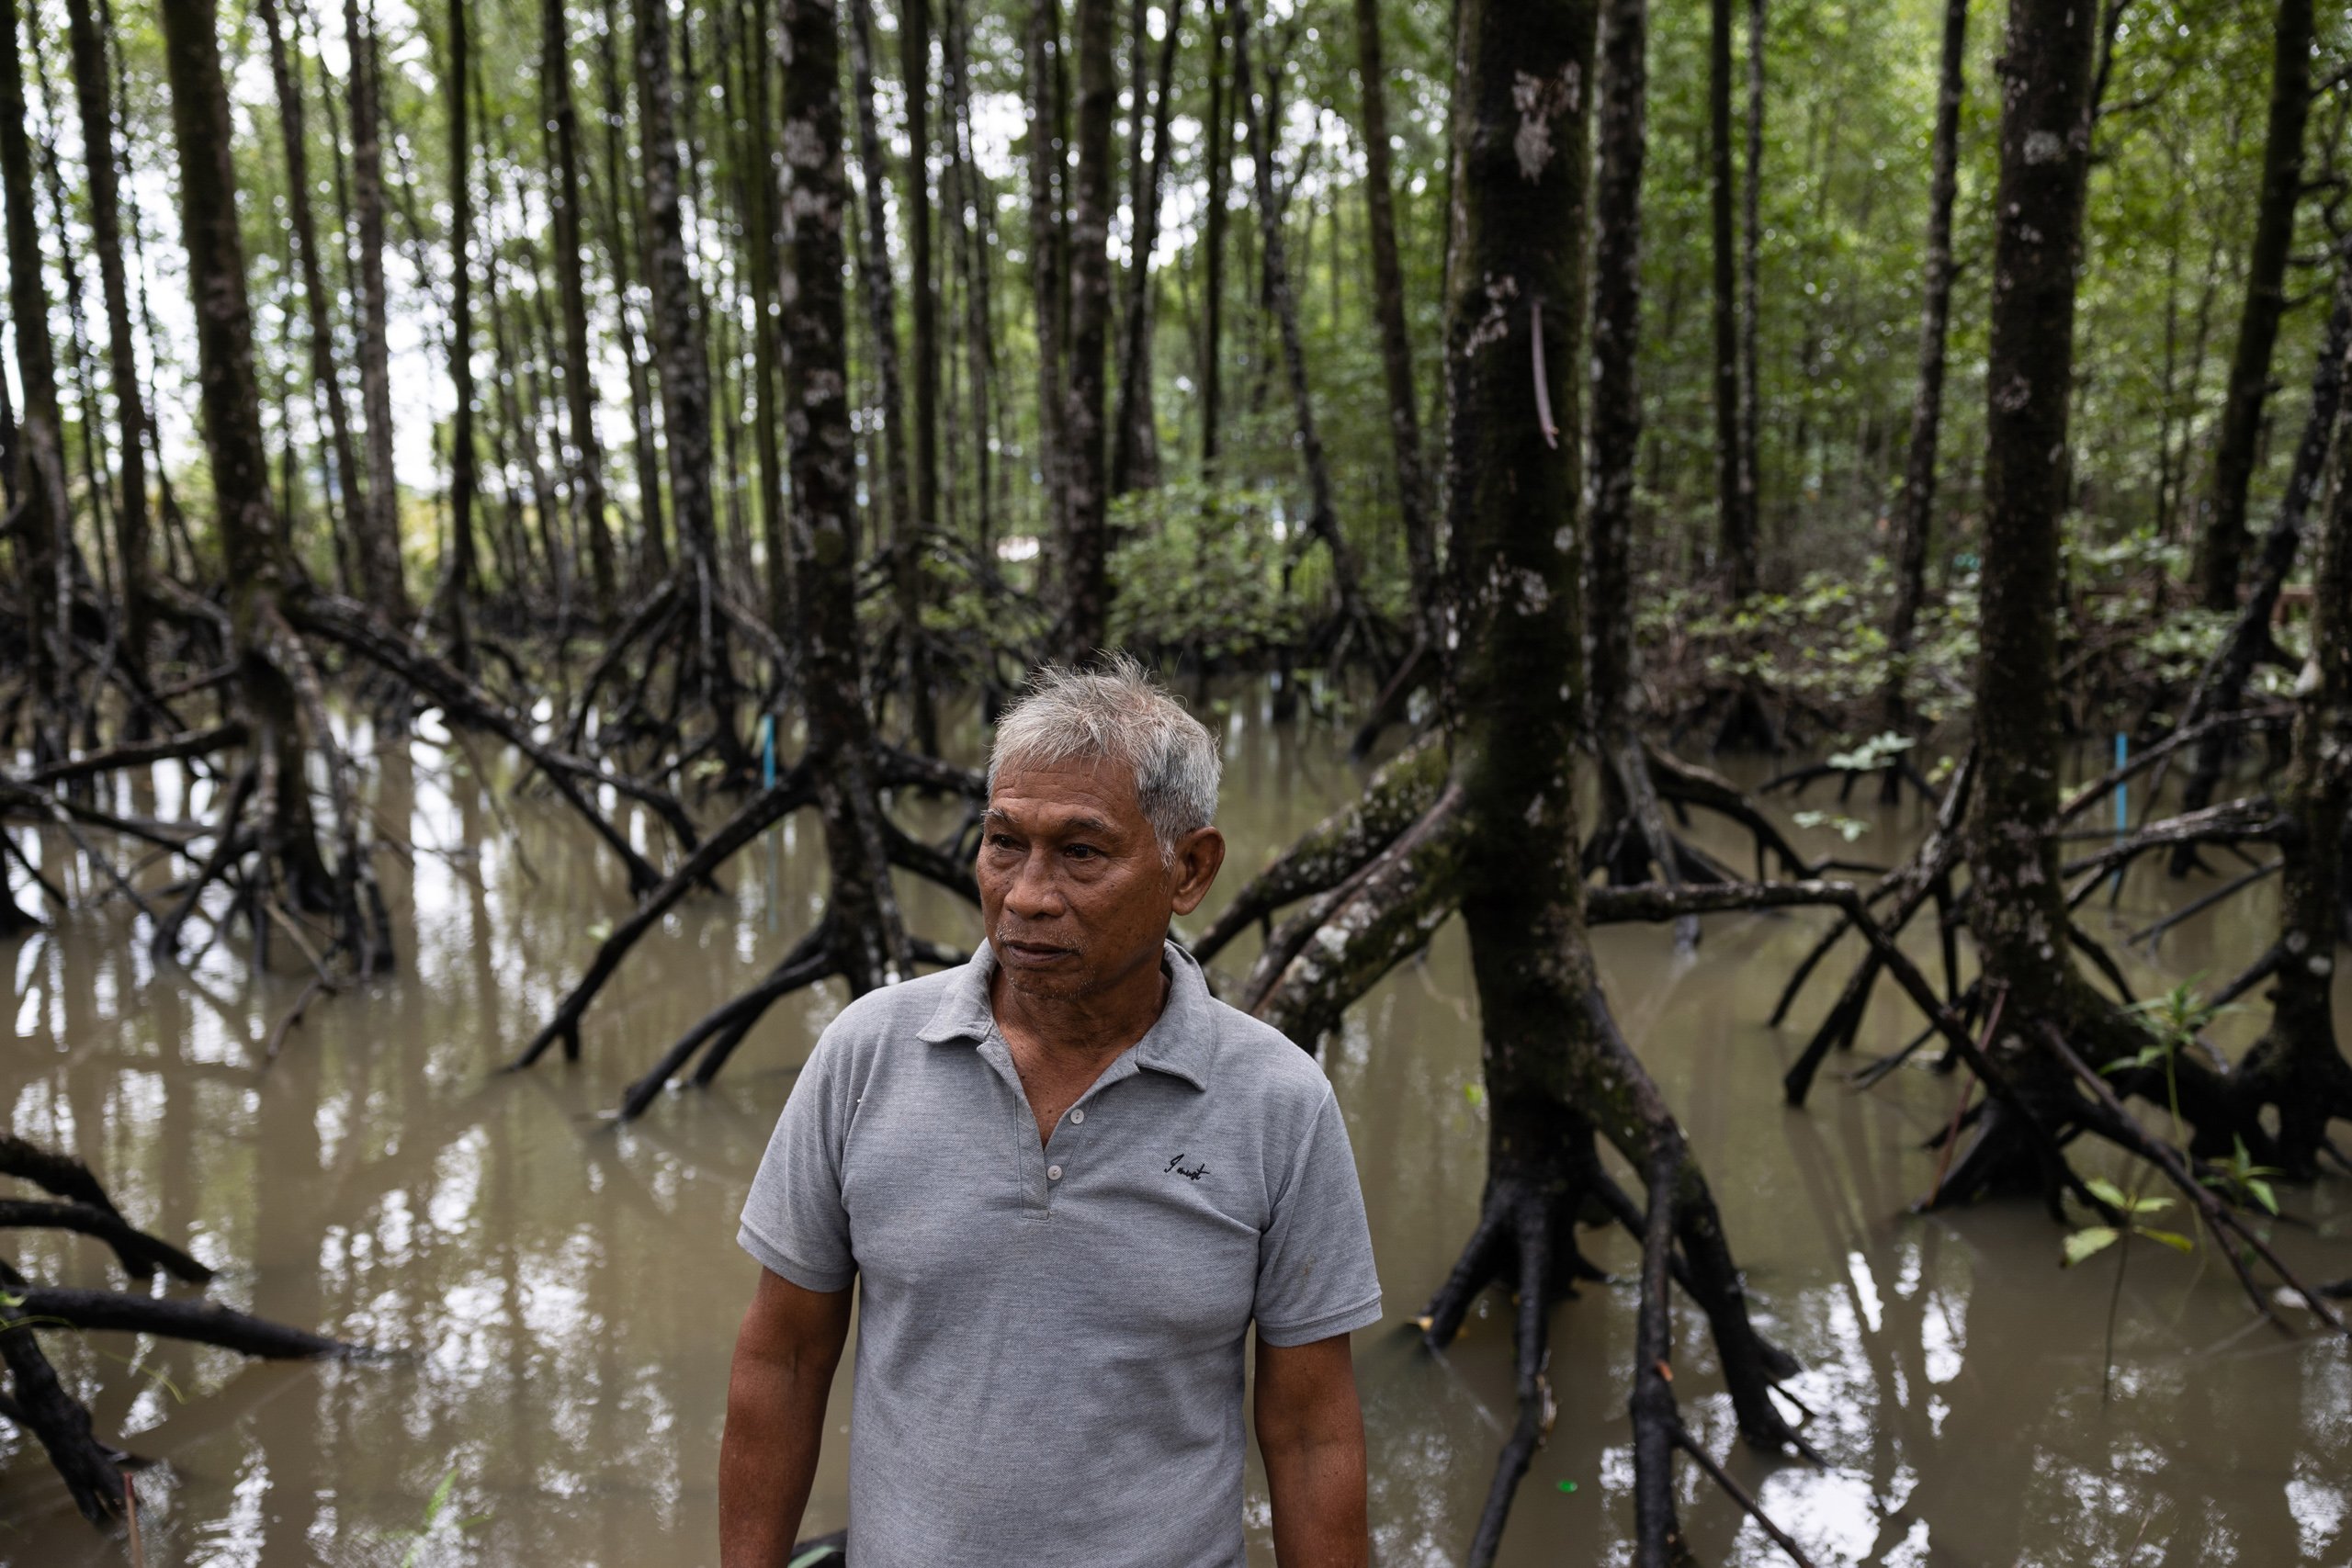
1682,785
812,959
1525,1235
92,1470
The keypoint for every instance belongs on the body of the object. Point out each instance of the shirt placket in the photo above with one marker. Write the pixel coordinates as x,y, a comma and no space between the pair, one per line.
1078,1131
1047,1168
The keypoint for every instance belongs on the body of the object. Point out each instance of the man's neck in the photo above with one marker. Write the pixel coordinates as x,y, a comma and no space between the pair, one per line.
1096,1026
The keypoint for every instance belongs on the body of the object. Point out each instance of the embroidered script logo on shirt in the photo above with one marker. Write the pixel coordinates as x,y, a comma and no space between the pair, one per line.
1189,1173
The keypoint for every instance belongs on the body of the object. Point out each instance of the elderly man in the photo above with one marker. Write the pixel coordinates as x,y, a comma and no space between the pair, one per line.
1069,1180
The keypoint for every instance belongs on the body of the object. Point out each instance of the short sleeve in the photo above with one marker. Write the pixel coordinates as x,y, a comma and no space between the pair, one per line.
1316,1277
793,1222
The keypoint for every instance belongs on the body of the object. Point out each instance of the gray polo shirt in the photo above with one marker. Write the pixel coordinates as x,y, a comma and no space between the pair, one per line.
1050,1338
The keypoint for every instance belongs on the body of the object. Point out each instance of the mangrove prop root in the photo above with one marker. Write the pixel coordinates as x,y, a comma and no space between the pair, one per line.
1917,880
202,1323
1657,1532
1319,964
1739,1494
139,1254
2205,901
61,1176
1525,1224
1399,795
142,753
1687,784
811,959
769,807
369,635
57,1420
2234,822
2116,1123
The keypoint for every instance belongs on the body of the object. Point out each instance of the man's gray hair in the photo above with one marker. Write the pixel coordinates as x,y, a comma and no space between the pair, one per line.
1116,712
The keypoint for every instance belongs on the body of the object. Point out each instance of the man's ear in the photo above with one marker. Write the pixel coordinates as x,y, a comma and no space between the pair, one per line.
1198,854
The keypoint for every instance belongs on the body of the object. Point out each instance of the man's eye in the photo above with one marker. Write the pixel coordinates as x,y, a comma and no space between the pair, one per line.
1002,842
1083,852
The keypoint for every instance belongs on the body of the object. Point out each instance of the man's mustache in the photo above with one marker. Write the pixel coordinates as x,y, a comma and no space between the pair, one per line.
1008,932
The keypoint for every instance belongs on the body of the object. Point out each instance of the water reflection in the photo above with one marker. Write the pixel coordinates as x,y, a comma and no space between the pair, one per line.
563,1293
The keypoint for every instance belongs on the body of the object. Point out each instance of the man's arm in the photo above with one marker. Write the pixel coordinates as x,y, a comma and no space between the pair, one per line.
785,1356
1310,1430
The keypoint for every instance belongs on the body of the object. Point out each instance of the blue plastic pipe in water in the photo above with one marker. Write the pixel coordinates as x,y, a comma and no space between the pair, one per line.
767,779
2122,798
2123,790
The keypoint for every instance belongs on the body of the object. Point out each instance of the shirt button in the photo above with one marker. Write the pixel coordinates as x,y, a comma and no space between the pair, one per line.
1076,1117
1053,1173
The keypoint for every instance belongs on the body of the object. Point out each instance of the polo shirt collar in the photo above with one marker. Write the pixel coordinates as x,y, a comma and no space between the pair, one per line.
1180,1043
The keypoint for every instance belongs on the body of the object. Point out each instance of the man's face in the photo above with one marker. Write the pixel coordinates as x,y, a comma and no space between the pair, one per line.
1075,890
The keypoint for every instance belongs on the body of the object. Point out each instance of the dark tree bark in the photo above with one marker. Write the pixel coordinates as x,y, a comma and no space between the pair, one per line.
1556,1069
684,365
1631,840
1616,411
2044,156
680,356
880,288
1916,513
381,575
1220,181
1086,607
1049,287
1134,437
2018,902
579,383
911,540
868,938
259,575
2220,544
2221,686
43,534
1751,249
1485,819
318,304
460,584
974,192
765,205
2298,1069
94,95
1322,518
621,243
1734,514
1396,341
59,1420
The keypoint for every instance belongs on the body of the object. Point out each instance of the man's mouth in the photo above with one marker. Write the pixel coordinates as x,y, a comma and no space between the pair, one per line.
1033,952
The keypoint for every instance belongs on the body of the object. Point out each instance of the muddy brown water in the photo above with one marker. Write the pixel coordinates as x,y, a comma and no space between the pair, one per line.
563,1293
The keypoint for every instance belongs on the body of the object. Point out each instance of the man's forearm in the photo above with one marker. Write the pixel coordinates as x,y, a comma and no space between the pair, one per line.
783,1374
1317,1491
1310,1431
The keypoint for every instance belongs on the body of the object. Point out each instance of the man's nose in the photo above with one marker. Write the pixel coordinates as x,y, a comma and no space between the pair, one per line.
1035,894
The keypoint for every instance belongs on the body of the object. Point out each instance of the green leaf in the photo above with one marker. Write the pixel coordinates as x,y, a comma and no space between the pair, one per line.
814,1554
2172,1239
1475,1093
2147,1206
2090,1241
2107,1192
2259,1190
